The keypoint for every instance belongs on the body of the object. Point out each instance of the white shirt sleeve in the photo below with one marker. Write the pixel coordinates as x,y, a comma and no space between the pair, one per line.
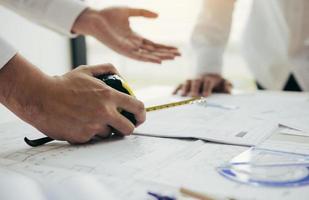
211,34
6,52
59,15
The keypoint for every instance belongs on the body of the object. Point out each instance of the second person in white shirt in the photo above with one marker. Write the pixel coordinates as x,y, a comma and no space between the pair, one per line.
275,46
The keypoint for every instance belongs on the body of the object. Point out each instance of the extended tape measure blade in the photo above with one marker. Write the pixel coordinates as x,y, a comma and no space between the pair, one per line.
174,104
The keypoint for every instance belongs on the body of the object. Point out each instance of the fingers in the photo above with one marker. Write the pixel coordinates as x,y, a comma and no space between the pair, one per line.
163,56
145,50
204,86
100,69
175,52
132,105
178,88
228,86
105,131
121,123
149,52
186,88
223,86
156,45
208,86
215,83
152,56
195,88
136,12
190,88
145,56
151,49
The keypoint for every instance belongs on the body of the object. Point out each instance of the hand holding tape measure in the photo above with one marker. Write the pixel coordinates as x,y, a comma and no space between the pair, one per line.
119,84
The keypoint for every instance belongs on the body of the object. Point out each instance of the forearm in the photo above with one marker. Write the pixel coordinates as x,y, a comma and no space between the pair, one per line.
18,80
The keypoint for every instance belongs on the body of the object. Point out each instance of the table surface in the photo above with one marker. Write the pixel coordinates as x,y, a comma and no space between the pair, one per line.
131,166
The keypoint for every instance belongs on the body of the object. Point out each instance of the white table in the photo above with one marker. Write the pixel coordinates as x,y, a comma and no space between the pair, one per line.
131,166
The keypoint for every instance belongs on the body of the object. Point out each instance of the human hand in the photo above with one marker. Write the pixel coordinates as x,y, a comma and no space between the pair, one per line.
111,26
204,86
73,107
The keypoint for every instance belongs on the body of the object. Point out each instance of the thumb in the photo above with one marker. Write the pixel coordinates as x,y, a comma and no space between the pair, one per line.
136,12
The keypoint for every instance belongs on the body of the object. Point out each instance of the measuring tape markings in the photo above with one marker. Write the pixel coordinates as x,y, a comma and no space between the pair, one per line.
174,104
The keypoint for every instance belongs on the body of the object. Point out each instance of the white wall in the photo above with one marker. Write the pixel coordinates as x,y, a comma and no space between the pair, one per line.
44,48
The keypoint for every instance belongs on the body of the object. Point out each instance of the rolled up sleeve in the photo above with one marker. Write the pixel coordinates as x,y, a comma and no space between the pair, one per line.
6,52
58,15
211,34
61,15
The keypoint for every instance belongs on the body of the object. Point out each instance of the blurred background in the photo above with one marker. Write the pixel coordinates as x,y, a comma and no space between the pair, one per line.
174,26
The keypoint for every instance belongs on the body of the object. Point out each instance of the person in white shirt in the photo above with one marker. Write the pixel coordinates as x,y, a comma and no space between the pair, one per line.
275,46
76,106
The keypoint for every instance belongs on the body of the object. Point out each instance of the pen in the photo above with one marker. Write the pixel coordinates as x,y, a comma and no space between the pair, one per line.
160,197
200,196
195,195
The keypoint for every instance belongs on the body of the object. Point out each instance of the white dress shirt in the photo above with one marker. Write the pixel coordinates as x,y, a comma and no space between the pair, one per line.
6,52
58,15
275,40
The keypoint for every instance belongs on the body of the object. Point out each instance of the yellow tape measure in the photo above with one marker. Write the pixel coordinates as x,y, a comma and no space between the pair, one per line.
174,104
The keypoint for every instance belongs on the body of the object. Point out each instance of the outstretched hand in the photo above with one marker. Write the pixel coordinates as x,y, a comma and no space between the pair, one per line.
111,26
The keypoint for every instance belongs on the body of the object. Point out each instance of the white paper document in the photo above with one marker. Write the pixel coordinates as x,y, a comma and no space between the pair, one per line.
292,143
39,182
288,109
129,167
295,116
14,185
120,165
289,131
216,123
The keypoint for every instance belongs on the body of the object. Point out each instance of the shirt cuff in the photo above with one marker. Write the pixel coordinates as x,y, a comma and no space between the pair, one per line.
209,60
7,52
61,15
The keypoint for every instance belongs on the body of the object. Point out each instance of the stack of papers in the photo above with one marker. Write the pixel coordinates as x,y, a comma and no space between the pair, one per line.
211,123
126,168
295,116
247,119
129,167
